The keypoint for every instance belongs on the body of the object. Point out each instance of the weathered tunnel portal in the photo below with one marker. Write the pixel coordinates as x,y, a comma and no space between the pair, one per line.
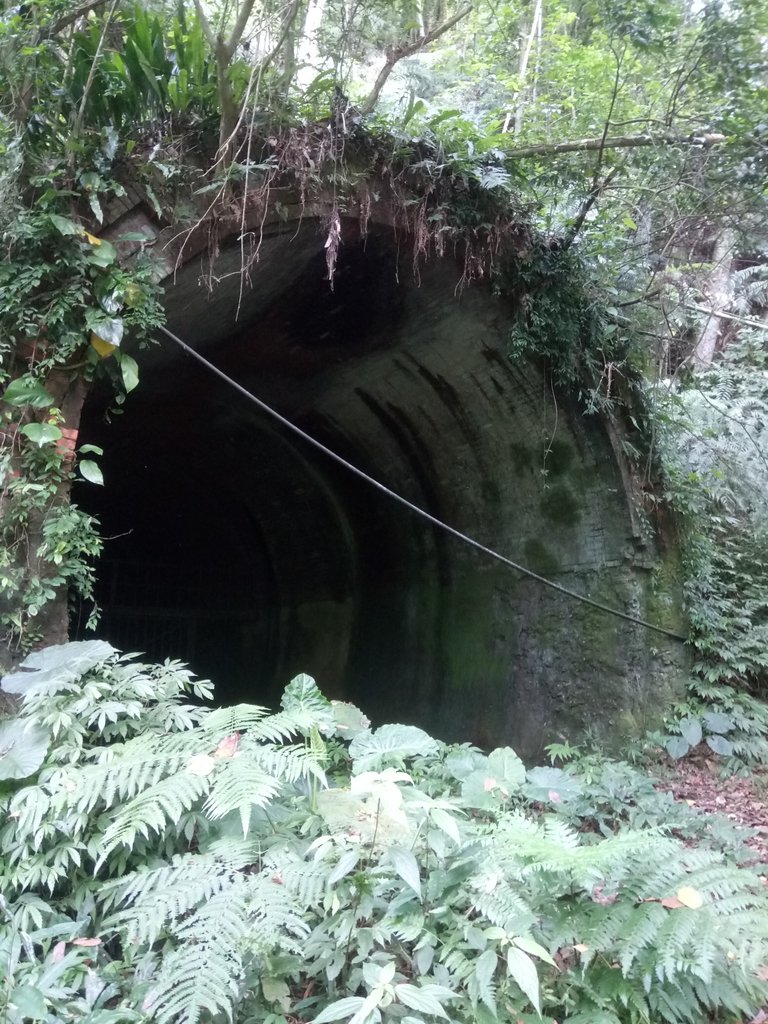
234,545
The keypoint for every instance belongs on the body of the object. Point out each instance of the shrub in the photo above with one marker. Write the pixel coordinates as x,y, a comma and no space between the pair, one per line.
162,860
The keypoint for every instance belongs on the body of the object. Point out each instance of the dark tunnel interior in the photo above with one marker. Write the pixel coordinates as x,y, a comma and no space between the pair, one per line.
233,545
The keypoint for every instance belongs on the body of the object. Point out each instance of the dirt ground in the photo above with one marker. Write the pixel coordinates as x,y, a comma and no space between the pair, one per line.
744,801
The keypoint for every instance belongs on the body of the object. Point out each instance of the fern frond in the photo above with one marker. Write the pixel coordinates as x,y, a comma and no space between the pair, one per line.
154,810
195,980
236,785
153,900
640,932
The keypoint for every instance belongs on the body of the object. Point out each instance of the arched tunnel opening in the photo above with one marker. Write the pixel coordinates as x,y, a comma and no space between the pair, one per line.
236,547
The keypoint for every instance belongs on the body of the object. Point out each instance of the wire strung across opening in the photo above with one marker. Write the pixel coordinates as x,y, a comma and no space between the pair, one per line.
607,609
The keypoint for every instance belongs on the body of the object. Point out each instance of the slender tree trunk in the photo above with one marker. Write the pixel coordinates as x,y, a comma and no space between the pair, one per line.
535,33
309,48
719,293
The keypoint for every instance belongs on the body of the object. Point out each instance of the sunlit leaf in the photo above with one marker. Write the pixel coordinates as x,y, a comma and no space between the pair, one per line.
27,391
41,433
90,471
523,971
417,999
690,897
22,749
200,764
129,370
28,1002
406,865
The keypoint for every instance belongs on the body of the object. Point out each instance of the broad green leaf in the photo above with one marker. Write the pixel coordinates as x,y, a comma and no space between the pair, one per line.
276,991
129,370
109,328
102,254
479,789
111,302
82,655
523,971
485,967
340,1010
348,719
22,749
28,1002
483,983
529,945
417,999
90,471
720,745
677,747
347,863
406,865
378,974
507,768
41,433
303,694
64,225
59,664
27,391
690,730
543,781
462,762
716,721
446,822
371,749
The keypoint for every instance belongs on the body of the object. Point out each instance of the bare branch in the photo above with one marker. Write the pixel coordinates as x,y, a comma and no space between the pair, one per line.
398,52
78,125
597,186
68,19
210,35
239,28
615,142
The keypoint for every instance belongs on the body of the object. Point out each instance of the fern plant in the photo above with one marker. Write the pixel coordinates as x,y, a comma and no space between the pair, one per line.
714,449
204,865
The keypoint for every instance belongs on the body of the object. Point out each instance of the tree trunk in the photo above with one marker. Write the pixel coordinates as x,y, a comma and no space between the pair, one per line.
309,48
535,33
719,293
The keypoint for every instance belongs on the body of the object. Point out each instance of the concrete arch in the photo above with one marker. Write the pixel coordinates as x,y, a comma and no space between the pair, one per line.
309,570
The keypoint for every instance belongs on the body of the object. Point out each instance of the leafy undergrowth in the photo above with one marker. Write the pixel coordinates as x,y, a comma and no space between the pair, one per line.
163,861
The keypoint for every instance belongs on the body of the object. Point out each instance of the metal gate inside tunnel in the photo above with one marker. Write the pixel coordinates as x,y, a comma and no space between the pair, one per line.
236,547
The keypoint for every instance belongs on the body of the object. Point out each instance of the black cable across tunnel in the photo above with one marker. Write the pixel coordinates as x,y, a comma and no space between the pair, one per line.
235,547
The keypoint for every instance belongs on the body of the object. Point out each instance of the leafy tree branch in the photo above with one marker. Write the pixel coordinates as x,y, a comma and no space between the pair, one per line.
397,53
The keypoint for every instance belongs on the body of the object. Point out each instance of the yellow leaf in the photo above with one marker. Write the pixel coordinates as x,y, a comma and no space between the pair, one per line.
690,897
92,238
133,294
102,347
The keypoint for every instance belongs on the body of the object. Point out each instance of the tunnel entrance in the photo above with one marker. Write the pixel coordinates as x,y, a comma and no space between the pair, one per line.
232,545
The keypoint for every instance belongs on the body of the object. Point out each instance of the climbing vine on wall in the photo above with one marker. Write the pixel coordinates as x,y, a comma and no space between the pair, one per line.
65,306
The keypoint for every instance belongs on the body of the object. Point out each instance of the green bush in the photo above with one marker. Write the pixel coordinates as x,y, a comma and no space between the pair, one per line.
164,861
